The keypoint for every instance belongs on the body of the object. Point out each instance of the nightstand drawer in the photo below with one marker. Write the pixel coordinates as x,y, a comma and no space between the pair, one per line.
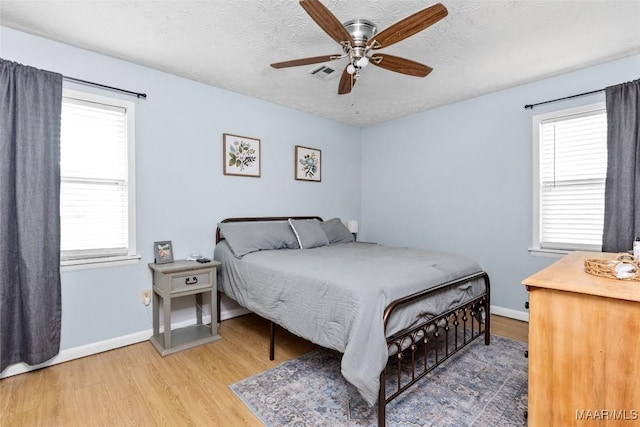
188,281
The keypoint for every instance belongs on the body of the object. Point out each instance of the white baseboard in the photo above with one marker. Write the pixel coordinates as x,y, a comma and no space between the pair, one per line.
93,348
110,344
229,314
78,352
508,312
125,340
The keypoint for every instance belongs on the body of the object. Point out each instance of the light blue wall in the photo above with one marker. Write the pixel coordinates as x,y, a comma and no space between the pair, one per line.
181,190
458,178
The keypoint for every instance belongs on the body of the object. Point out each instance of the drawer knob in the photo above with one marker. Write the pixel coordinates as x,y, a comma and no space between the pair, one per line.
526,305
191,281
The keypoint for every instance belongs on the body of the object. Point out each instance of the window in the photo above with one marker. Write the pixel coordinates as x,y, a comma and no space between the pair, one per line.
570,167
97,193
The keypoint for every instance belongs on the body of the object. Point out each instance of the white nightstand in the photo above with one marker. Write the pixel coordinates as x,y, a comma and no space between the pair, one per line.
178,279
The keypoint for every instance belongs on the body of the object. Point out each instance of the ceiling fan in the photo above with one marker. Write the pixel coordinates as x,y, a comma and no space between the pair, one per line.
359,40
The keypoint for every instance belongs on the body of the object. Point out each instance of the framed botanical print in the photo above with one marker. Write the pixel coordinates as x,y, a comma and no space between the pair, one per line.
308,164
241,155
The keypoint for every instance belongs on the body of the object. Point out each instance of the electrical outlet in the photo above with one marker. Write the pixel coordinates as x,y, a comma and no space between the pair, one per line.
146,296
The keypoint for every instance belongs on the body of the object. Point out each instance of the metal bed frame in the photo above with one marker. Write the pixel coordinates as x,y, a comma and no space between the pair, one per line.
412,348
423,347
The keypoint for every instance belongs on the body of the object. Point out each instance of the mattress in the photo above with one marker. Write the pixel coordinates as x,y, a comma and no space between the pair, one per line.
335,295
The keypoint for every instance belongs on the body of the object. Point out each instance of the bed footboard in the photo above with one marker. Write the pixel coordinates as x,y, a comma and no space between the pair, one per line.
417,351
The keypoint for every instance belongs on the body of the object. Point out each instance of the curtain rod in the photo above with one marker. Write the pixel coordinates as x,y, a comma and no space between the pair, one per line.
86,82
562,99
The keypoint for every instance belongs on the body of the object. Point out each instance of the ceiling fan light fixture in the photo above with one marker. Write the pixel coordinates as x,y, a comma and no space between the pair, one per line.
351,69
362,62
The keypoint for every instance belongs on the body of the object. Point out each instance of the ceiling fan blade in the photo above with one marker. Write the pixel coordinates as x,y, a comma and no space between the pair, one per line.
409,26
305,61
400,65
346,83
327,21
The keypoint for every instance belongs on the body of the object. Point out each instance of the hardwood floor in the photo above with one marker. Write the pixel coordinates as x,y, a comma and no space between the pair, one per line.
510,328
134,386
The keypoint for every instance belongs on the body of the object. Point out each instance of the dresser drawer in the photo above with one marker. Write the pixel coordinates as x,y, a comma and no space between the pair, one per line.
190,280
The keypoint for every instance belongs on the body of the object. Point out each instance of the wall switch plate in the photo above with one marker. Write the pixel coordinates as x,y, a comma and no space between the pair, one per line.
146,296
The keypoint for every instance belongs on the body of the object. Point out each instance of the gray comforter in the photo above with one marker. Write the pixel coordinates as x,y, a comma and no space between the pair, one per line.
335,295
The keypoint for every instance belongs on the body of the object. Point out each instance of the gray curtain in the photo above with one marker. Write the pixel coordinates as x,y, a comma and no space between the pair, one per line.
622,190
31,102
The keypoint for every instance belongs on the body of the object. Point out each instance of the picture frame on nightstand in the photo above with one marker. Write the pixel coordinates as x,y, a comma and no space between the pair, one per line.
163,252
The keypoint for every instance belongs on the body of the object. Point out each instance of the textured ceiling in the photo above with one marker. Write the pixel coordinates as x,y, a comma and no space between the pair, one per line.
480,47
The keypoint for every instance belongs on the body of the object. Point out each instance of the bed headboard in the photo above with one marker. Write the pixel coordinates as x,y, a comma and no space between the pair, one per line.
262,219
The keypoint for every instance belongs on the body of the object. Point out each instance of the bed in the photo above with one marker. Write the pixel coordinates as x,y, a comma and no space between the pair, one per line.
394,313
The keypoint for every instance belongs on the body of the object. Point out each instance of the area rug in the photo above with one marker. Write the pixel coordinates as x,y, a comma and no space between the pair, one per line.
480,386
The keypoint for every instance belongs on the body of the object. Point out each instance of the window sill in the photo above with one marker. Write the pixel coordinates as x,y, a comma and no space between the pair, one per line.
556,253
88,264
548,253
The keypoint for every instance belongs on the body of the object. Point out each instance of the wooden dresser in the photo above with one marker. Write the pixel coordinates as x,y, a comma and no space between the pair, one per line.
584,346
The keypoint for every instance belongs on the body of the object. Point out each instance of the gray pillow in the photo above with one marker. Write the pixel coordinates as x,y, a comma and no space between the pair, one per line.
309,233
246,237
336,231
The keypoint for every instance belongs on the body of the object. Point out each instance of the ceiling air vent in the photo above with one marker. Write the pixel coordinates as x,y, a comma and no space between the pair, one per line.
323,72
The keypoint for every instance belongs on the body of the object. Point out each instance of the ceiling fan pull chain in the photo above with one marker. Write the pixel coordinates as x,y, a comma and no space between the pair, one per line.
351,90
352,95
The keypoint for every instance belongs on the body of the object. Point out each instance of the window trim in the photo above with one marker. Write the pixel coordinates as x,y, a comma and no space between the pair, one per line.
537,120
70,264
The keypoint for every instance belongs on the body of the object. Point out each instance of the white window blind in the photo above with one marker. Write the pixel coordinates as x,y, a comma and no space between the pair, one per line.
95,188
572,173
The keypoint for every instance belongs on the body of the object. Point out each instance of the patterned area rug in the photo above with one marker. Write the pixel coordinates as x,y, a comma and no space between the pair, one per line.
480,386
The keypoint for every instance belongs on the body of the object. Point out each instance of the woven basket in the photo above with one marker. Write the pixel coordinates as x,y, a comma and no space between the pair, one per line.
607,268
